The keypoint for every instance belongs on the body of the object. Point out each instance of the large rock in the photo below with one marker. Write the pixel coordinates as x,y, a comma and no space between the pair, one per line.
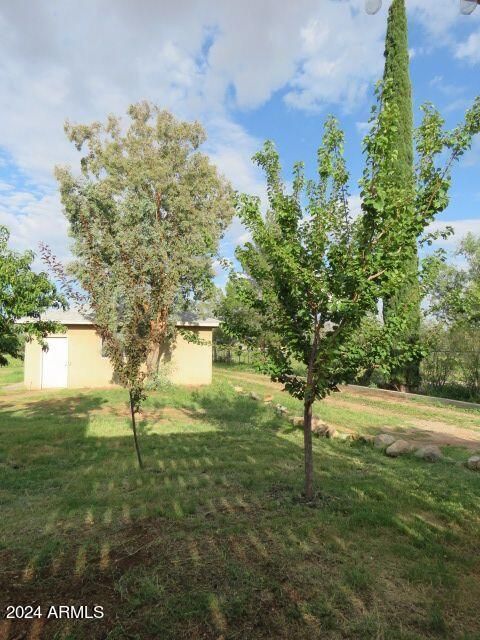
398,448
317,422
281,409
430,453
268,399
366,438
297,421
238,389
324,430
383,440
254,396
341,435
473,463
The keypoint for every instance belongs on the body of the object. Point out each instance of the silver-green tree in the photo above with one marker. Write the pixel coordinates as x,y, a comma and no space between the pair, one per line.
314,271
146,214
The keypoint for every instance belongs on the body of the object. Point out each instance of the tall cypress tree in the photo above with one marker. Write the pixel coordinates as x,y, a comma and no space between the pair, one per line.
406,302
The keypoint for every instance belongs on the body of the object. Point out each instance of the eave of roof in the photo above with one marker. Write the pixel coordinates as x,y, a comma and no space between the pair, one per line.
73,317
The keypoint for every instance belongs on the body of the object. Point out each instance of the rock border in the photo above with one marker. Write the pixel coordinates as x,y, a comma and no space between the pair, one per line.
391,446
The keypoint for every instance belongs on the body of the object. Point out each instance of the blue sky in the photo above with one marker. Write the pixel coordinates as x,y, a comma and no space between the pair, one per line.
248,71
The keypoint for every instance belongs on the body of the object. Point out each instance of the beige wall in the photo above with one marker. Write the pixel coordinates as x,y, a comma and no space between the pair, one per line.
190,363
32,367
186,363
86,367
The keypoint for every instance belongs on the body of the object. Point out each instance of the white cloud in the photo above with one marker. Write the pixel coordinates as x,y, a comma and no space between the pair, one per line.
199,58
437,18
460,227
362,127
33,218
469,50
448,89
196,58
341,55
355,205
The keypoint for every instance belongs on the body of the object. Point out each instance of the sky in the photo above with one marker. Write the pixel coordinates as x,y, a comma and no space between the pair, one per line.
248,71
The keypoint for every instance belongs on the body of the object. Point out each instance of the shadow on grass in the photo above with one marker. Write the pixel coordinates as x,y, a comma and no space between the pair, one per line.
215,540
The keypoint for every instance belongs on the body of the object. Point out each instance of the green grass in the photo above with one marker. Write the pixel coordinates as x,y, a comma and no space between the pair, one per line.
12,373
212,540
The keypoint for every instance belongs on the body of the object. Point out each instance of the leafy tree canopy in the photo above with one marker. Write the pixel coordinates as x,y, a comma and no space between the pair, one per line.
315,270
23,294
455,289
145,215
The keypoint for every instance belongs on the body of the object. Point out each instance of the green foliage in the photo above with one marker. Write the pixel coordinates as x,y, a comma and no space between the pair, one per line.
397,70
451,367
23,294
219,524
455,290
145,215
239,317
12,372
312,272
405,302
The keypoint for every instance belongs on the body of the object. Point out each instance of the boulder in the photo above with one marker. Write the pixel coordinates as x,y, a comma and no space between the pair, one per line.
281,409
297,421
430,453
343,436
364,437
383,440
473,463
238,389
398,448
318,422
254,396
323,430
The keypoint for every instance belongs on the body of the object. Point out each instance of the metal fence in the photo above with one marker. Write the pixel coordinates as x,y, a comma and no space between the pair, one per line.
232,355
446,373
446,368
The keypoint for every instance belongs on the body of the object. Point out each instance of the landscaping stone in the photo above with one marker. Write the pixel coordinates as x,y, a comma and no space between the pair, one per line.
281,409
398,448
383,440
430,453
318,422
268,399
343,436
324,430
473,463
321,428
238,389
367,438
254,396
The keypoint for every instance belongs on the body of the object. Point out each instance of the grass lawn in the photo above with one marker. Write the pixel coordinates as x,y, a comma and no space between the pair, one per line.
211,541
12,373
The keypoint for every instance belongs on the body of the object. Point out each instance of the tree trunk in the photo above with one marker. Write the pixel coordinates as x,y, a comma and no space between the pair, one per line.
308,400
307,448
134,427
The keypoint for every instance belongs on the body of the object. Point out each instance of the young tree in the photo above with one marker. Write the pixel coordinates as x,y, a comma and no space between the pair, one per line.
406,300
315,271
145,215
238,318
23,294
455,291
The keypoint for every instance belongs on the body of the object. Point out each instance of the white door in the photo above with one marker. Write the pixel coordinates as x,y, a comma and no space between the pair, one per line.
55,363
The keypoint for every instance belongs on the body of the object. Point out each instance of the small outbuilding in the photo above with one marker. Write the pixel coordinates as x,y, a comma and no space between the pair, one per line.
75,358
